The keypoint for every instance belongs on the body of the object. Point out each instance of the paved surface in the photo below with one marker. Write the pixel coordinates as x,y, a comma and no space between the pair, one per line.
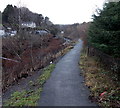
65,86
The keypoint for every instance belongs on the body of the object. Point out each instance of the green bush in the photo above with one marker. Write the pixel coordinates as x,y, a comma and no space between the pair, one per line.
104,32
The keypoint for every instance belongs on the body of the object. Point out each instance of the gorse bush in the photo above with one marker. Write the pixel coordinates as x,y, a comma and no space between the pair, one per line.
104,32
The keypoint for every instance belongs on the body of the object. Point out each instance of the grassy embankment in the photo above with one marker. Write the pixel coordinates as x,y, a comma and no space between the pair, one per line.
103,84
30,97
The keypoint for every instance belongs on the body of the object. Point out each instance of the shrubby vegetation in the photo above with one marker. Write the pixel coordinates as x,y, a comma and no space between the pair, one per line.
31,51
104,32
103,84
100,69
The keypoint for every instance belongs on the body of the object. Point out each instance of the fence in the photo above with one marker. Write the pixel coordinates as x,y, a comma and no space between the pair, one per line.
109,63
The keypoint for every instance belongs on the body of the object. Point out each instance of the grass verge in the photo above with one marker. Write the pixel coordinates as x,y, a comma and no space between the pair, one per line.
30,97
103,84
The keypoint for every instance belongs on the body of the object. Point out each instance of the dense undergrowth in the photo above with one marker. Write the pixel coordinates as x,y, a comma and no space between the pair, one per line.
30,52
103,84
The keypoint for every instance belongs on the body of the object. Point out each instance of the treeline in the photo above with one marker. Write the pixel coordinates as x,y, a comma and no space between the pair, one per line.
13,17
75,31
104,32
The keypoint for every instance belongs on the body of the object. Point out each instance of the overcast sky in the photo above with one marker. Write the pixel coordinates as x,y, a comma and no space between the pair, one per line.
60,11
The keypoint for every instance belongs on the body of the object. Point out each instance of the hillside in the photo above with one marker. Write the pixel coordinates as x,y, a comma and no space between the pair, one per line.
75,31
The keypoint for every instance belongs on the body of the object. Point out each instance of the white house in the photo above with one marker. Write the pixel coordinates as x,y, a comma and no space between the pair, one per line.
13,33
28,24
2,32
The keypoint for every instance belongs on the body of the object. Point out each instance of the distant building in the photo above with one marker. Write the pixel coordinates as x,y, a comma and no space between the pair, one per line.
62,32
28,25
2,32
13,33
8,28
41,32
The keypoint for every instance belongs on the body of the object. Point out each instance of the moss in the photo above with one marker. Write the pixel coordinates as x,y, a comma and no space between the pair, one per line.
47,72
24,98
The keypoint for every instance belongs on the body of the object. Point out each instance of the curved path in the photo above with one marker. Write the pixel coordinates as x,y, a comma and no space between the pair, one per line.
65,87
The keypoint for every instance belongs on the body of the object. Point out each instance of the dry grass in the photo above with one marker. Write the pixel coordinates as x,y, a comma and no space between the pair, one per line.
104,86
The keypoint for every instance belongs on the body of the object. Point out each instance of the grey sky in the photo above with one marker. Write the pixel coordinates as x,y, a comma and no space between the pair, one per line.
60,11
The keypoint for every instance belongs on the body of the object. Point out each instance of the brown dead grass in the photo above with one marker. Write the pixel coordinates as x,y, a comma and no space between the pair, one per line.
100,81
